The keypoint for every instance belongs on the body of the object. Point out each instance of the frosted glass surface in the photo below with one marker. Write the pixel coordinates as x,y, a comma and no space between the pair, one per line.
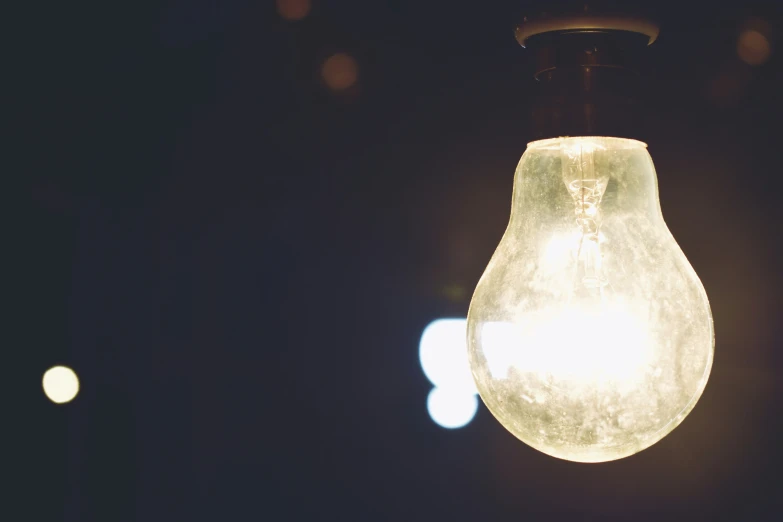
590,335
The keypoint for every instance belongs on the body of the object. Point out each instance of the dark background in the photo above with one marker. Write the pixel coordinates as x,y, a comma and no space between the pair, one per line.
239,261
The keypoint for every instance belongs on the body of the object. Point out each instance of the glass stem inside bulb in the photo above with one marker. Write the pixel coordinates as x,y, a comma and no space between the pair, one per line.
586,187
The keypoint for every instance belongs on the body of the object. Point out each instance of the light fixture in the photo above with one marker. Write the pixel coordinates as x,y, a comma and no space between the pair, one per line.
590,336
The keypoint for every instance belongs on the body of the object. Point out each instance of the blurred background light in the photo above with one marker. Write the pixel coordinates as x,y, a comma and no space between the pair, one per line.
753,47
731,83
453,402
293,9
443,355
754,43
60,384
455,292
339,72
451,408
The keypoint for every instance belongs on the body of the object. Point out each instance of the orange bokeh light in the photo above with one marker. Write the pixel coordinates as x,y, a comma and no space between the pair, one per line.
293,9
339,71
753,47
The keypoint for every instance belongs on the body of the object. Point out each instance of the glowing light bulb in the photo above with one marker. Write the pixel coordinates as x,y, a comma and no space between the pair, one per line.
590,336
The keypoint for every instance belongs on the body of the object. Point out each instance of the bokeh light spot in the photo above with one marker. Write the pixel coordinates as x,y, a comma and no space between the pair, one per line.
455,292
293,9
60,384
753,47
339,71
451,408
443,354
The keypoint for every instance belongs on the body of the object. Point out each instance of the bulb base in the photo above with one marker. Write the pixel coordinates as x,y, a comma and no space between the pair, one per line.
588,74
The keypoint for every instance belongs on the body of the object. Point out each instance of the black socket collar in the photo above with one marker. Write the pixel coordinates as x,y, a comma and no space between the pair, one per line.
588,75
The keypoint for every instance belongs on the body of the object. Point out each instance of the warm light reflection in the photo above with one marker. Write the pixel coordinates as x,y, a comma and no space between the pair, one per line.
451,408
559,251
293,9
339,71
753,47
60,384
580,346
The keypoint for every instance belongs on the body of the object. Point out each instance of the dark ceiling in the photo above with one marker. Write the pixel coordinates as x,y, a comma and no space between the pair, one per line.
239,261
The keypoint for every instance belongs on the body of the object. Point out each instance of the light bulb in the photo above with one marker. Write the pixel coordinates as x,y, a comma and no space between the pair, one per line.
590,336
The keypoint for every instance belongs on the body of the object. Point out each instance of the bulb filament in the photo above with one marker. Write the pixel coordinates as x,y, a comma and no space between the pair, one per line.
586,188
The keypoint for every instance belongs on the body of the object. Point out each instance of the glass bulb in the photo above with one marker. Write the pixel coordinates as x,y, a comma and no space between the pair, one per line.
590,336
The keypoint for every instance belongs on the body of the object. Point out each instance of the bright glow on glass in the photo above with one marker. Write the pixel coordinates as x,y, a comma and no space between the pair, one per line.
451,408
443,356
60,384
590,336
